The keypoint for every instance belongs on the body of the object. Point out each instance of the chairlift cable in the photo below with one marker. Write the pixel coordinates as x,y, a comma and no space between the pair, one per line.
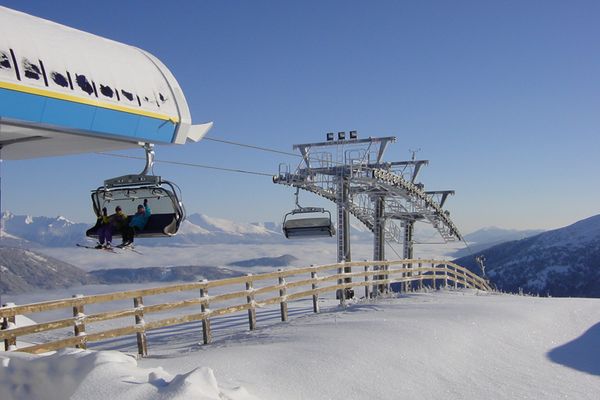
267,149
233,143
287,153
186,164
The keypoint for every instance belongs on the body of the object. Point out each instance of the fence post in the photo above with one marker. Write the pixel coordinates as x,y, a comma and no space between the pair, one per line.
410,276
465,278
79,324
250,300
366,282
206,333
432,267
386,269
8,323
375,287
142,343
403,275
282,293
455,273
420,277
445,276
315,296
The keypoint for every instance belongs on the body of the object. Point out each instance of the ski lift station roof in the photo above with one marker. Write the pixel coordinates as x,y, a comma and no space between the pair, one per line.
65,91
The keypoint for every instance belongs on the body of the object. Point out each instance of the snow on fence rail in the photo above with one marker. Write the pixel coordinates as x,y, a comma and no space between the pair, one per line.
377,277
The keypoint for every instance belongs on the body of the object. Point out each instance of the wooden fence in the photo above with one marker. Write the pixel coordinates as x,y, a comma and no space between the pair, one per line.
292,284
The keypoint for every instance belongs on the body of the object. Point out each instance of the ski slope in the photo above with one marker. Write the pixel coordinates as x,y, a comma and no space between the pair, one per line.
438,345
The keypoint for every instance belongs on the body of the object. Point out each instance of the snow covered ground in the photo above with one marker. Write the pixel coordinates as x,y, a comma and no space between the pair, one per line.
439,345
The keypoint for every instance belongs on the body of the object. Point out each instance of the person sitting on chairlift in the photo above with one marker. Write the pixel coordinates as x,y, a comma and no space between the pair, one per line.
138,223
104,231
118,221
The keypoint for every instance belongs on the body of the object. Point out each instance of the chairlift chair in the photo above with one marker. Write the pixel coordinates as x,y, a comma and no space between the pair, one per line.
299,228
129,191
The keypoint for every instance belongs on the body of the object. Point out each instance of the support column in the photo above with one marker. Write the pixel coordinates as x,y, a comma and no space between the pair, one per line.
379,240
407,247
343,232
343,222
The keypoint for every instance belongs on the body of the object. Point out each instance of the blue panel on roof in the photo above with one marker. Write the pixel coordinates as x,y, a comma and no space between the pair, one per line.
21,106
155,130
116,122
68,114
33,108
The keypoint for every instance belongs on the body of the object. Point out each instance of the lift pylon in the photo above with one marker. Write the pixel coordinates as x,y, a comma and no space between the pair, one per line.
383,195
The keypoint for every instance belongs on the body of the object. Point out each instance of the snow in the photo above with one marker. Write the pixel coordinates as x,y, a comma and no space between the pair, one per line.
78,374
37,258
6,235
64,219
439,345
187,228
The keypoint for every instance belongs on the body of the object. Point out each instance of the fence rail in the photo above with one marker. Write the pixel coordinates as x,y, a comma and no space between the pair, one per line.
310,282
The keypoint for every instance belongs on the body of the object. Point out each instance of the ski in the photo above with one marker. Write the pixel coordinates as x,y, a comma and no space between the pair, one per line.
128,247
110,250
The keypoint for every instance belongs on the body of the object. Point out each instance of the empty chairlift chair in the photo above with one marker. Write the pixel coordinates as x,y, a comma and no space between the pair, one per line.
129,191
299,228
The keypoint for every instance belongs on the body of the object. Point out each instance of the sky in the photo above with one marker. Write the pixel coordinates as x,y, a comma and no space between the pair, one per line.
502,97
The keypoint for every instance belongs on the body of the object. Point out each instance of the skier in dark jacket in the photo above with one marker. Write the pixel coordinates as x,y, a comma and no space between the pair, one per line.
138,223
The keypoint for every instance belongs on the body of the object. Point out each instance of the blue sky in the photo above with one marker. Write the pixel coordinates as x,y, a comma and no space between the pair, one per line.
502,97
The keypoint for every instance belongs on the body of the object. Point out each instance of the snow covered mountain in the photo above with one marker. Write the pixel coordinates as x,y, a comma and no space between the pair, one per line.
29,232
24,271
562,262
491,236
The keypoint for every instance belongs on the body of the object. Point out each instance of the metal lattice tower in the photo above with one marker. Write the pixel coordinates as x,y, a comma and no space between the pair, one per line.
382,195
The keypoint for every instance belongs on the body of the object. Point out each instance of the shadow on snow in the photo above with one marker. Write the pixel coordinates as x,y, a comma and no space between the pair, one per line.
581,353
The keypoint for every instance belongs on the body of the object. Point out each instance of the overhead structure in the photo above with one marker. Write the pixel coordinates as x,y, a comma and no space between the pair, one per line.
384,195
65,91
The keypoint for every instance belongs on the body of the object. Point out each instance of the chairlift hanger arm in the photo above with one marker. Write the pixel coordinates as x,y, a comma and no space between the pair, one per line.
306,210
149,150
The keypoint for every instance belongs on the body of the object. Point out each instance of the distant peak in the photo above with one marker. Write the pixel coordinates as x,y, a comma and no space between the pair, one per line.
61,218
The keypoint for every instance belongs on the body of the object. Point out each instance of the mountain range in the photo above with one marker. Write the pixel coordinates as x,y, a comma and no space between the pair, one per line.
561,262
485,238
30,232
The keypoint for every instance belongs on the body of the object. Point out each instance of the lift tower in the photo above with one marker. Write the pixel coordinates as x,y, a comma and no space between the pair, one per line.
383,195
